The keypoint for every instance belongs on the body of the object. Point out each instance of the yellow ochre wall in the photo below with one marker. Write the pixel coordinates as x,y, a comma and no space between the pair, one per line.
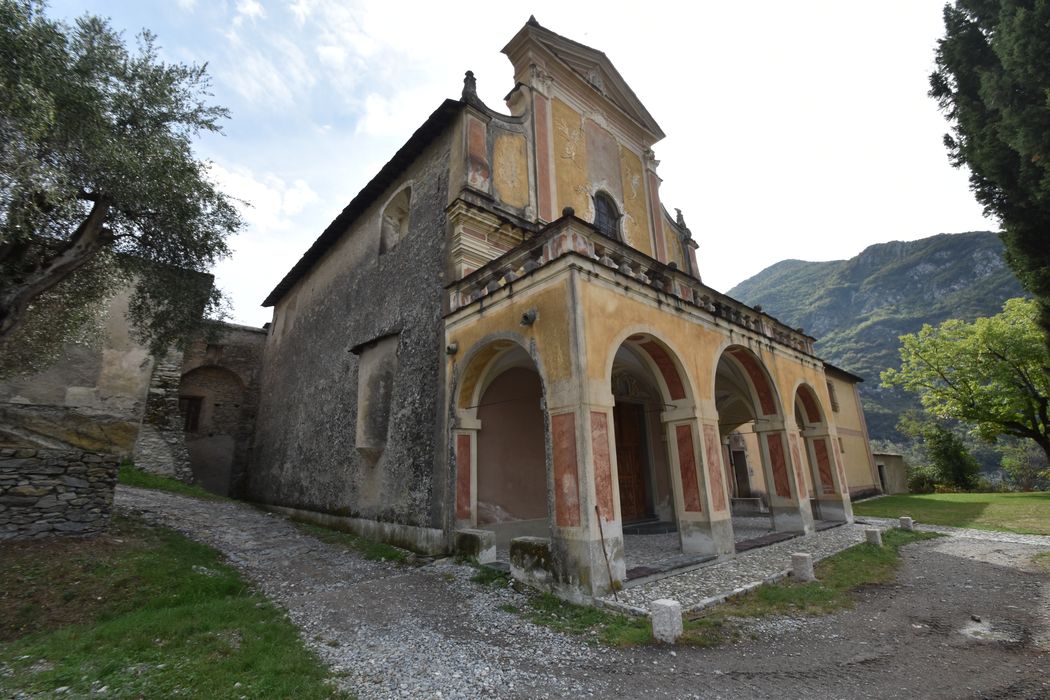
579,173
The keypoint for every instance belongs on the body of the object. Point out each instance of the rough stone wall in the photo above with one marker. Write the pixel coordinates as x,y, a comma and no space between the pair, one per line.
304,454
90,399
55,492
160,447
224,374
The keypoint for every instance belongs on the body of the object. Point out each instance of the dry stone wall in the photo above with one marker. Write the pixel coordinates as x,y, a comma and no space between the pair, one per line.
55,492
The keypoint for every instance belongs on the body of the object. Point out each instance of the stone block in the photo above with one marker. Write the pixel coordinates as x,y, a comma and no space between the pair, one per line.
478,544
666,616
907,523
530,560
873,536
29,491
802,566
74,527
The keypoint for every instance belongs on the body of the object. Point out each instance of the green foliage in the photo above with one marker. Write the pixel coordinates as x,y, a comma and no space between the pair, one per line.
992,374
130,475
857,308
147,613
1025,465
947,459
922,478
488,576
991,82
1025,513
99,187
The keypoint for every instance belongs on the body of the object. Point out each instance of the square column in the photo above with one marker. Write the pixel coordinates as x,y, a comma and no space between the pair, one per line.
832,495
782,464
587,533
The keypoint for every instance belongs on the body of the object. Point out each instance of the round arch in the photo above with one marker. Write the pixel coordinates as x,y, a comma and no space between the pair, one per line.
812,411
479,362
500,440
662,359
761,388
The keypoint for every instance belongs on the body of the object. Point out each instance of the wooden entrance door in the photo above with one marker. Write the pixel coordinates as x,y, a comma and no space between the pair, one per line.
631,459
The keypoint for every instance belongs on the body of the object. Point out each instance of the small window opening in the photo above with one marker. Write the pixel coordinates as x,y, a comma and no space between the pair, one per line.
834,397
394,224
606,217
190,408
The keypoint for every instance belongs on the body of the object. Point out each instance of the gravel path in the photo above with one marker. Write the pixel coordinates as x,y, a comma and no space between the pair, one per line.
700,587
967,618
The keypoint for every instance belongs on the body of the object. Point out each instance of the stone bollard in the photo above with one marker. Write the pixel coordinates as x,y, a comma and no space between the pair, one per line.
802,567
667,620
907,523
874,536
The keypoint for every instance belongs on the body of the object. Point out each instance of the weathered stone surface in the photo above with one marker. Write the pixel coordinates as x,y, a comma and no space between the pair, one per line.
312,461
30,490
479,544
802,566
54,492
907,523
873,536
666,616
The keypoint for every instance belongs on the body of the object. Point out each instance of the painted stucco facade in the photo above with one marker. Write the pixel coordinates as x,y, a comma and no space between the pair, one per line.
522,343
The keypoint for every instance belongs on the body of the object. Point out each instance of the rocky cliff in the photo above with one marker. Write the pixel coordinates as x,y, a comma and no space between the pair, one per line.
858,308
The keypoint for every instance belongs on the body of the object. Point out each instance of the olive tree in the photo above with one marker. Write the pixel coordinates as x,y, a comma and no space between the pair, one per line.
99,184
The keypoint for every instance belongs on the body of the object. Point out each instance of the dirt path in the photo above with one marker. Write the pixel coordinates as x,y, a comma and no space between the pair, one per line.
388,630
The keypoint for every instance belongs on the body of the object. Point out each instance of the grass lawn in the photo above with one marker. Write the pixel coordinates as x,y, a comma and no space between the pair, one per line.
1026,513
144,612
838,575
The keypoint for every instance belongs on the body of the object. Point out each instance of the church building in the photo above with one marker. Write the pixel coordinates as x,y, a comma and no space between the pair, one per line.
504,336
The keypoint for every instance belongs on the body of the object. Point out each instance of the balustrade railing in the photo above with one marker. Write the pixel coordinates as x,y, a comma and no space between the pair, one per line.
572,236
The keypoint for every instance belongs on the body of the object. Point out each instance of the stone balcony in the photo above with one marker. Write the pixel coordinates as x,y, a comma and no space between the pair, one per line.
571,236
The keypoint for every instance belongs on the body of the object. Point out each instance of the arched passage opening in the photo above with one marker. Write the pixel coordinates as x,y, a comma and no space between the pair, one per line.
662,495
817,453
642,471
763,476
210,401
500,442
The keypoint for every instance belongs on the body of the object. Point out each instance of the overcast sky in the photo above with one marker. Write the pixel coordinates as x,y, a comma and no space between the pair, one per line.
795,129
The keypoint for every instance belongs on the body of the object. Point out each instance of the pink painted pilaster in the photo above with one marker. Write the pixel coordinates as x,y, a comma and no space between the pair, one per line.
566,470
715,483
603,480
464,476
687,468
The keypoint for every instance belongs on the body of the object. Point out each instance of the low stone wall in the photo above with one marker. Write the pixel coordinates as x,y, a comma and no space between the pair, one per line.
55,492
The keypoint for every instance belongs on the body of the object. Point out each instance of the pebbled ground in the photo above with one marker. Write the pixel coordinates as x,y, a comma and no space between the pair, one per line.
967,618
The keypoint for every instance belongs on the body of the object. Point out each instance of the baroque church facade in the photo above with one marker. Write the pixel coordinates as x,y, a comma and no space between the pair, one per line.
505,335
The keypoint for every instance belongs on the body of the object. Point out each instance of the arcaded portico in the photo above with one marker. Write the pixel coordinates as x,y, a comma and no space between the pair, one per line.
641,372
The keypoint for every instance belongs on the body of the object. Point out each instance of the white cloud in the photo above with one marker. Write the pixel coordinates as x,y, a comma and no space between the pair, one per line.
332,56
301,9
266,202
251,9
187,5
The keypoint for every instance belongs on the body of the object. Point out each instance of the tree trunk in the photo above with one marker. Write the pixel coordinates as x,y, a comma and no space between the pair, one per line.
90,237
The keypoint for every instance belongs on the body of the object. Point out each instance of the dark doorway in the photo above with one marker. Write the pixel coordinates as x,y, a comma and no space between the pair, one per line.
631,460
743,483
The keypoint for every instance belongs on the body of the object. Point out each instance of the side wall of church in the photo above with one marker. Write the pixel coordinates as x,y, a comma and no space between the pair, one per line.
351,415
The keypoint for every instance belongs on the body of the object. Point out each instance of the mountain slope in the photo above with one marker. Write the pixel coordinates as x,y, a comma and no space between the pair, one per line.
858,308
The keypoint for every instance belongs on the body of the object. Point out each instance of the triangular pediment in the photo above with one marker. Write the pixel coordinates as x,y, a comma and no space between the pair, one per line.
595,68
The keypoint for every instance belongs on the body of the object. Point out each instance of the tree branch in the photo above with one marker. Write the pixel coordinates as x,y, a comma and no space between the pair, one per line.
90,237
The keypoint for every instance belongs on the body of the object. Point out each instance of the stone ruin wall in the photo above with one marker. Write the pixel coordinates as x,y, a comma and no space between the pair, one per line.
55,492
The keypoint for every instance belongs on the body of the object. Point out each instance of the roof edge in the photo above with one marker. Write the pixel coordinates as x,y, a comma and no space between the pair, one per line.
439,119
